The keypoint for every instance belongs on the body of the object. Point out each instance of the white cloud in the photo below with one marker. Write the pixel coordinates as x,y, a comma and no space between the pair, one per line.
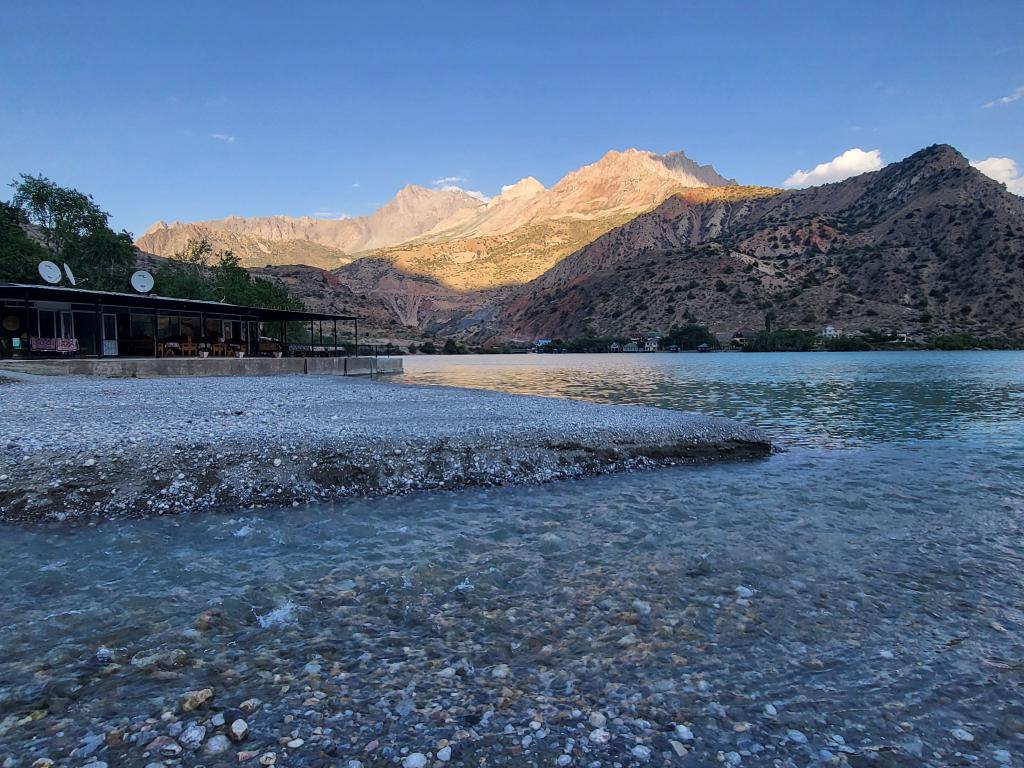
223,137
850,163
1016,95
446,181
1003,169
355,185
471,192
330,215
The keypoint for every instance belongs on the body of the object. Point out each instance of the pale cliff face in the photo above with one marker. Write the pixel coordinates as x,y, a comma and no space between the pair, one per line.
413,211
450,236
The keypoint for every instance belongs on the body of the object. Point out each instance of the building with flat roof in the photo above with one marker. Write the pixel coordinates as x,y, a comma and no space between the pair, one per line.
55,321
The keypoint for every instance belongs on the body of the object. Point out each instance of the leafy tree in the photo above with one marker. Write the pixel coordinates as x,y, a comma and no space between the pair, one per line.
689,336
451,348
428,348
781,341
74,229
197,272
19,253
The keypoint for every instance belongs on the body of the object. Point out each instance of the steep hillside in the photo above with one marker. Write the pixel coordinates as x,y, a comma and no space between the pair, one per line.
526,230
320,291
926,244
320,242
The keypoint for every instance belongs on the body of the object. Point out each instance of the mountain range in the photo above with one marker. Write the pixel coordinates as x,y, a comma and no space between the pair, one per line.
639,241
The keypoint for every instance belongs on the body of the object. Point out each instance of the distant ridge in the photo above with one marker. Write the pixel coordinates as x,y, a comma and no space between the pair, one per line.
319,242
928,243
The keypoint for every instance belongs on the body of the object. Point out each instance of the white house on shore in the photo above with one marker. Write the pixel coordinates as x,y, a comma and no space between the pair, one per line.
830,332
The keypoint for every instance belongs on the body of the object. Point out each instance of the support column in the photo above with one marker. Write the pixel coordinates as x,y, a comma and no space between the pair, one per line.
99,331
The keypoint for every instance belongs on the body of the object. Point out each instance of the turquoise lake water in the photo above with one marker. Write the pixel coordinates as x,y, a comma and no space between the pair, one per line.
867,583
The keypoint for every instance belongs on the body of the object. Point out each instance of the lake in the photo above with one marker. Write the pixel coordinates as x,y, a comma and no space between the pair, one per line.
857,598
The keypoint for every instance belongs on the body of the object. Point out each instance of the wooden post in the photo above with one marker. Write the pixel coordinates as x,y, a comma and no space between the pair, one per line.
99,331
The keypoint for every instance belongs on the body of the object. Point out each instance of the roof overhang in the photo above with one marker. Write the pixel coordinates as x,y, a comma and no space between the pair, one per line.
25,291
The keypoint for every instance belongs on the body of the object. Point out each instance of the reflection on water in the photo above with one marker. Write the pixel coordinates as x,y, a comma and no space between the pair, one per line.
830,399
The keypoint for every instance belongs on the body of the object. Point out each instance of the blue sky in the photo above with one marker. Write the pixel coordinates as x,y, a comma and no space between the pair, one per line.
200,110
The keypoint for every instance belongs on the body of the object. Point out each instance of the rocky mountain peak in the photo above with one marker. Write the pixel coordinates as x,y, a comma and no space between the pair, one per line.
679,162
523,188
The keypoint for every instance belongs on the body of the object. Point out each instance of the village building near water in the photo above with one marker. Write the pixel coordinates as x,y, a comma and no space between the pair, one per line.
53,323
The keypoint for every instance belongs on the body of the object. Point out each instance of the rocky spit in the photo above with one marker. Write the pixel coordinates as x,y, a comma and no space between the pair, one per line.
78,447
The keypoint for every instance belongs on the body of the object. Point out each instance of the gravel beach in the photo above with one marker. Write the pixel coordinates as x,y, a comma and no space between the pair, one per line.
78,447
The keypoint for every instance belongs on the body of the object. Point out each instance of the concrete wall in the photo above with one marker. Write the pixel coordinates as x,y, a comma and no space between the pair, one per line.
123,367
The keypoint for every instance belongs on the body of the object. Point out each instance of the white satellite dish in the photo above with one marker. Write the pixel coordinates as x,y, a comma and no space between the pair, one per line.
142,281
50,272
70,274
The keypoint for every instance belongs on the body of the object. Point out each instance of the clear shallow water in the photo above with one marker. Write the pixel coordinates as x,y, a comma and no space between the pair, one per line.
813,399
882,553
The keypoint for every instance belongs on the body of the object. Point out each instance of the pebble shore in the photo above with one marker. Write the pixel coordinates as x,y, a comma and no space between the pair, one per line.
78,447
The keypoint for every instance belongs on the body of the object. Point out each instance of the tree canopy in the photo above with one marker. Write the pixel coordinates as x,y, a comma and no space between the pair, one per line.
198,272
46,221
73,229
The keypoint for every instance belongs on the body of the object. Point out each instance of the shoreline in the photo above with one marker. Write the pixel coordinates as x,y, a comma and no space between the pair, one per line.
77,448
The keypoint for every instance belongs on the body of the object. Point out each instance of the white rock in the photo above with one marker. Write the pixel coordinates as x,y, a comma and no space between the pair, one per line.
641,752
796,736
644,609
444,754
597,719
770,710
744,592
599,736
239,730
415,760
217,745
683,733
277,462
962,735
192,736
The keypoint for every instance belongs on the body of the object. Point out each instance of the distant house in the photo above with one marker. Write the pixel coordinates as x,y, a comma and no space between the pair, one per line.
740,339
830,332
615,347
631,347
652,342
542,343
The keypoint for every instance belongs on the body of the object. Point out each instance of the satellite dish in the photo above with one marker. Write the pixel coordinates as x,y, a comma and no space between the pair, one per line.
50,272
142,281
70,274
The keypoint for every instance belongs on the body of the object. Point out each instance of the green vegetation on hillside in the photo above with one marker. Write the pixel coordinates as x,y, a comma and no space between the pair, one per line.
71,229
689,337
782,340
197,272
956,341
46,221
19,254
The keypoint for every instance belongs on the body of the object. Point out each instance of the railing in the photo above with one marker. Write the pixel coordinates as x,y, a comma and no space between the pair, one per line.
342,350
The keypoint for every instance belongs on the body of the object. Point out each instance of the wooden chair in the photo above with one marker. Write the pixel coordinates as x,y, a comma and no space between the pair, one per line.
189,348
